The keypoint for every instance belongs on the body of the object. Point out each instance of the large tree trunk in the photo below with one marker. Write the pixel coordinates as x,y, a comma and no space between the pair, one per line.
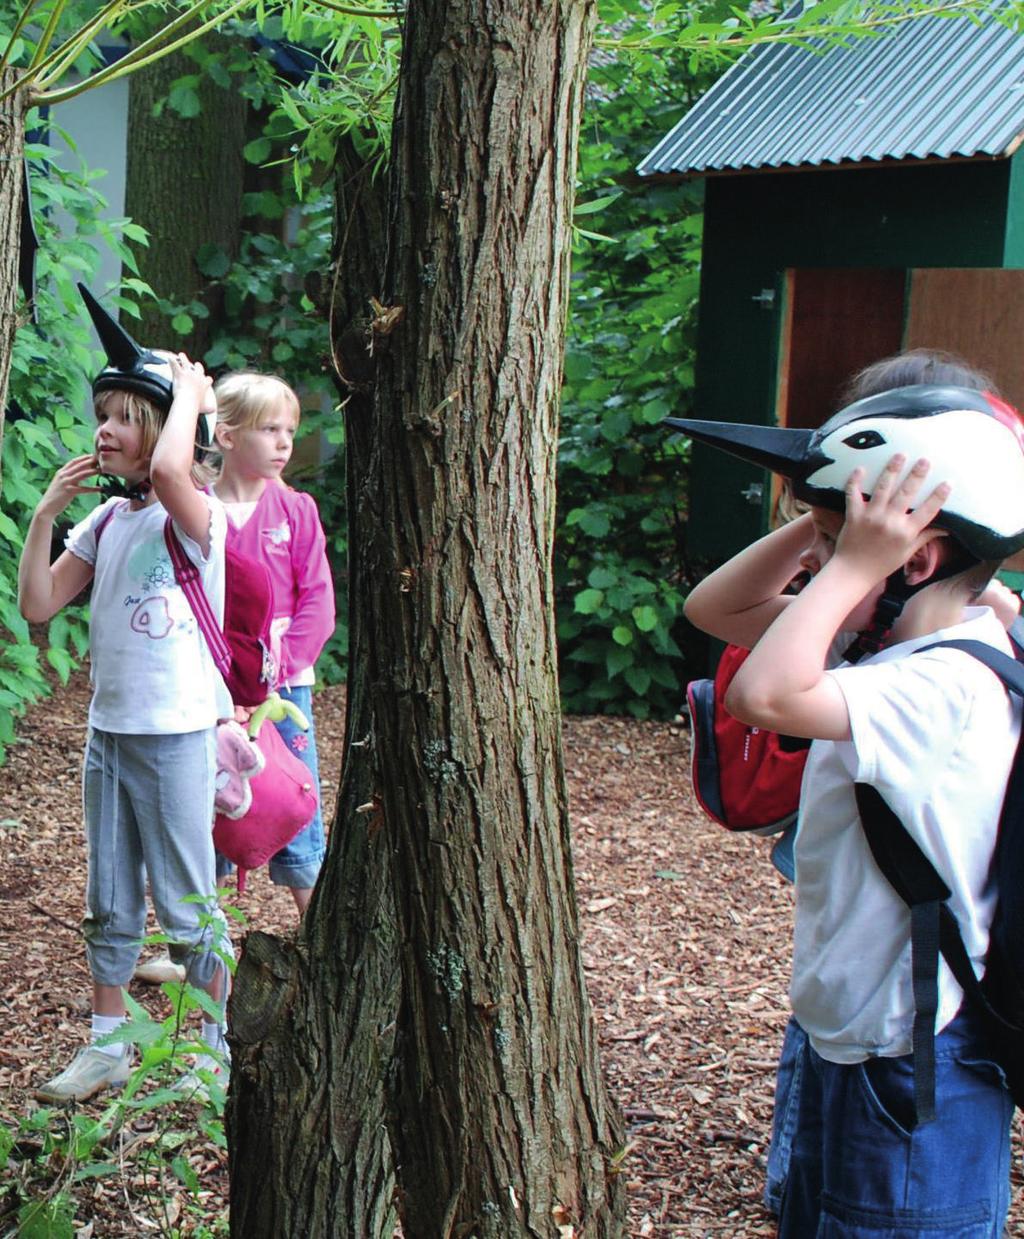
12,150
497,1114
312,1023
499,1118
184,186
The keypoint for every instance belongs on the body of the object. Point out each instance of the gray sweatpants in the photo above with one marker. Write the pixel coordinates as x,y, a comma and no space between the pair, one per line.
148,804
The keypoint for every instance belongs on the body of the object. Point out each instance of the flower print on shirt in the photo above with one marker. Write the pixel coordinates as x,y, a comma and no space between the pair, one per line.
277,537
150,565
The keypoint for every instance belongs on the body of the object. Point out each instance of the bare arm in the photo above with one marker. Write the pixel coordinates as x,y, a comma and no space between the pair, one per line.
171,467
1002,600
741,599
782,685
43,588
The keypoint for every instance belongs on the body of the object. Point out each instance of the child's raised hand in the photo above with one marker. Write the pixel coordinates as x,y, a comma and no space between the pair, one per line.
880,534
190,377
67,484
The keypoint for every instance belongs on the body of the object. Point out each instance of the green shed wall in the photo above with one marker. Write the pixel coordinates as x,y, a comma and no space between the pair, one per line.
756,226
1013,251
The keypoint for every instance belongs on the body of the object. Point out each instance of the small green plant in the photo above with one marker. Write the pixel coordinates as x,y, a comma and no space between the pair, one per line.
145,1137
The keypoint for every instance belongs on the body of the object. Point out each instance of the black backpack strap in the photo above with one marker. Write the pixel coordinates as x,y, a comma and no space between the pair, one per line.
1007,668
1016,634
913,877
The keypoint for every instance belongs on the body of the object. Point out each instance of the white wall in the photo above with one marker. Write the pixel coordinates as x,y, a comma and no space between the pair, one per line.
97,124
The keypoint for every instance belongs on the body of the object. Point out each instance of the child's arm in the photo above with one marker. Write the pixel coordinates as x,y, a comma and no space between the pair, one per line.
43,588
1002,600
782,685
171,467
738,601
312,622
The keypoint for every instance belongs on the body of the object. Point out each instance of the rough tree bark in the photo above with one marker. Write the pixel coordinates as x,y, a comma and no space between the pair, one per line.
498,1115
496,1110
12,149
312,1022
184,186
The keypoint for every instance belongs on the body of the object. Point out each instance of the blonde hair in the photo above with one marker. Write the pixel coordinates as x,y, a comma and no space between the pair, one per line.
144,413
245,398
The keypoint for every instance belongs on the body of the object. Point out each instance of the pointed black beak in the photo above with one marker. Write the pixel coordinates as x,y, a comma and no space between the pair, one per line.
778,448
122,351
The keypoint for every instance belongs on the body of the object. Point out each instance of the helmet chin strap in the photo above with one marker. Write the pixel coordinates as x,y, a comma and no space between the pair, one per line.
895,596
889,608
117,488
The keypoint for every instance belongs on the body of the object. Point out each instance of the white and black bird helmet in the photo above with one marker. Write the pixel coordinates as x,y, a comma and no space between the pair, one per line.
971,439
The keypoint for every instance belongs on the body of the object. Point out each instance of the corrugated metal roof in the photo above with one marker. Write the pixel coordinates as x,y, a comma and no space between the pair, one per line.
933,88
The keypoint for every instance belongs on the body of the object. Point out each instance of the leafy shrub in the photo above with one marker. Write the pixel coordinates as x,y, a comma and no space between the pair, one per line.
270,323
49,413
620,571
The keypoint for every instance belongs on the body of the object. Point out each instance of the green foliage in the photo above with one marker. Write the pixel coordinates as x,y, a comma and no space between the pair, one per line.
49,414
620,575
268,322
50,1156
349,92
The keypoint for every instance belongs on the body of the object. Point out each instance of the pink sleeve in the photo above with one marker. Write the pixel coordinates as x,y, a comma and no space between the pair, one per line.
312,622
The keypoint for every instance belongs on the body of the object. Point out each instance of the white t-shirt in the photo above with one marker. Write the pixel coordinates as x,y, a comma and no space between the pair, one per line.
151,669
936,735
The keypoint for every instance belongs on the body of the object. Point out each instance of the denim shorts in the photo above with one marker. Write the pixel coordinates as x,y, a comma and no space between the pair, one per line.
860,1170
298,862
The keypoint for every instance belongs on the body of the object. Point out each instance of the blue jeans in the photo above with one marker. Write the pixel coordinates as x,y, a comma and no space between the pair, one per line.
784,1114
298,863
857,1171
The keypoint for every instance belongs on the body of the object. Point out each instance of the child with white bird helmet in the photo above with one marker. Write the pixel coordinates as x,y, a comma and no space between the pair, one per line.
916,496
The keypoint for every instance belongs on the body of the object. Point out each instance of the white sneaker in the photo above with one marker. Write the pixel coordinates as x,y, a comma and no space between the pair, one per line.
89,1072
204,1078
157,971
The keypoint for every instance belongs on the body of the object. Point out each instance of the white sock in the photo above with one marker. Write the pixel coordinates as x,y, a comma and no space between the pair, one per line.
213,1036
103,1024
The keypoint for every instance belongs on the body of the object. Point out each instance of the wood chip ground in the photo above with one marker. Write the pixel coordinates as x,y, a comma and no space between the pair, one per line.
686,939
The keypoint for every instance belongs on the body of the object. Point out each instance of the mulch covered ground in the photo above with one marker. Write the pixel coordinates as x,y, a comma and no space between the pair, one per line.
686,938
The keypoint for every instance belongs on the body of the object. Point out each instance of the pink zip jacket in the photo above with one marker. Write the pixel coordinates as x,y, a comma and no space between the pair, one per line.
284,532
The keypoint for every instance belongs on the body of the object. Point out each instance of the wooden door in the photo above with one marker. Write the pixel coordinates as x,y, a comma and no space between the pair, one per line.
834,322
975,312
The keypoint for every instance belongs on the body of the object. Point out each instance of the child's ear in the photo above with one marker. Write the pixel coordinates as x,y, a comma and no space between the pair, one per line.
926,560
222,435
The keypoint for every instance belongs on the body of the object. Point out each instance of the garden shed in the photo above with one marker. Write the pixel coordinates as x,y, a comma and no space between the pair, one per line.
859,199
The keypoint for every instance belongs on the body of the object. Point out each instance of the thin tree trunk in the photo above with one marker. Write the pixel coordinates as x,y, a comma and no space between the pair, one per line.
498,1114
12,151
184,186
312,1022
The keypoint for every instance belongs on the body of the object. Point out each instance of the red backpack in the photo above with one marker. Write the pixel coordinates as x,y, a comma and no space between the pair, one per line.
746,778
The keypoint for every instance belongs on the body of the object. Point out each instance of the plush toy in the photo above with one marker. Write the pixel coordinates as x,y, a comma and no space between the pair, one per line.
276,709
238,760
281,795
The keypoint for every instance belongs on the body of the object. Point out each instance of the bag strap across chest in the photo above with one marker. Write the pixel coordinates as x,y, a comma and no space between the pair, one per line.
191,583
